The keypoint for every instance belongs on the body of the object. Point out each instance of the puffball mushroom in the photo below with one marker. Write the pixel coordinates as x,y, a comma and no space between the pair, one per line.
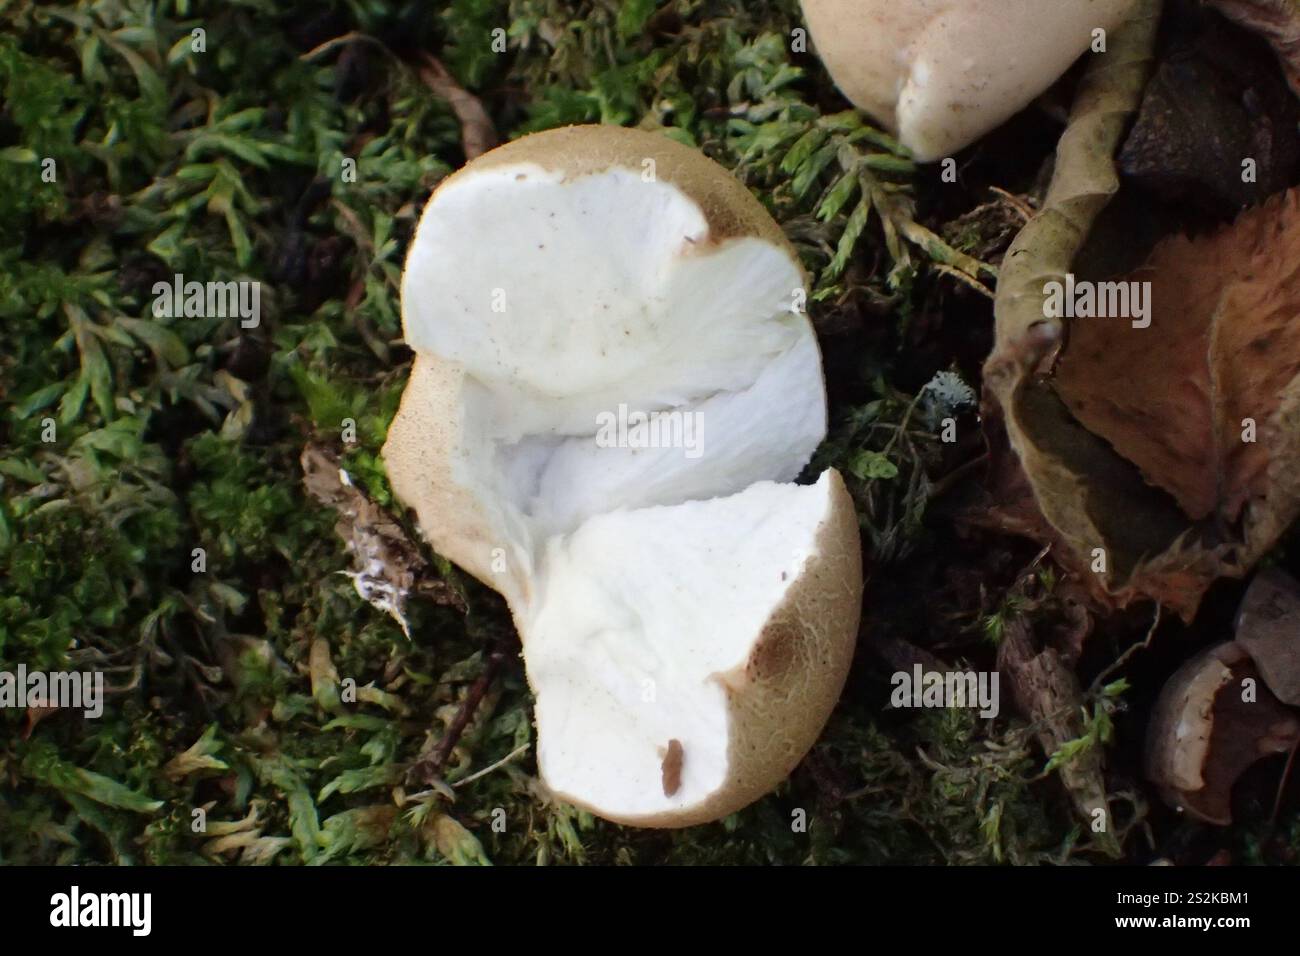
687,613
1205,731
942,73
1227,708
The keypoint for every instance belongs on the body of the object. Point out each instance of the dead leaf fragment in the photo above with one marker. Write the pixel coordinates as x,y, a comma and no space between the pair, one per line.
1072,475
1278,21
35,714
389,565
1173,450
1226,708
1222,351
1047,693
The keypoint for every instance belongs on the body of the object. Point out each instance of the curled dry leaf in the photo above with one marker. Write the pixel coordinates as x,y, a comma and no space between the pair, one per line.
1160,457
1278,21
1017,420
1175,448
1060,486
1220,359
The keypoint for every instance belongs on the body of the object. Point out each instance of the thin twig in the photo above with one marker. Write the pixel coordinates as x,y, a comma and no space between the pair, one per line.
477,133
1015,202
354,36
1123,658
950,480
428,768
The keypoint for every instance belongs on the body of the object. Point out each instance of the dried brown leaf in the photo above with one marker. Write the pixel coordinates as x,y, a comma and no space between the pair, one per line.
1162,457
1222,351
1136,447
1076,480
1278,21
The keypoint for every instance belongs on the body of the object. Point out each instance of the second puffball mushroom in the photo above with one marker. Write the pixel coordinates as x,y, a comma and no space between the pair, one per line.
1227,707
942,73
688,614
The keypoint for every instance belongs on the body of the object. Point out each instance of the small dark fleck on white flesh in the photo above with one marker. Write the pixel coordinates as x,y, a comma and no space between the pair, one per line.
672,767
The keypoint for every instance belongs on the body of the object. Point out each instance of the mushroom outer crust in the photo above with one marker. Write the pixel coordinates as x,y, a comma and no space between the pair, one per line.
424,441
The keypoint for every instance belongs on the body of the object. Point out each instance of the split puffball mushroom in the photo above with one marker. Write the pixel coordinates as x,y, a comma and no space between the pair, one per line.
614,388
942,73
1226,708
1205,732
